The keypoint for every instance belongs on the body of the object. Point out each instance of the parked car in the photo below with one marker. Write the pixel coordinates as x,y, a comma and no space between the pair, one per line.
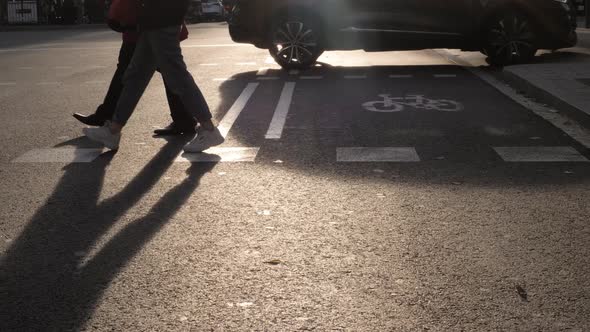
212,9
296,32
194,13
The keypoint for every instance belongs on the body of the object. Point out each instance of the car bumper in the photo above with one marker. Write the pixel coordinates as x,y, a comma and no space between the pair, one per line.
558,23
249,30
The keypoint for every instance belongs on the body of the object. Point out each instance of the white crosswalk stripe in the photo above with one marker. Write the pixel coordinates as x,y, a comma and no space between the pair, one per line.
381,154
59,155
540,154
221,154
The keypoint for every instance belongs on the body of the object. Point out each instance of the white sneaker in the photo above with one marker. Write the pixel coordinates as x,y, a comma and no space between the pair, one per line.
103,135
204,140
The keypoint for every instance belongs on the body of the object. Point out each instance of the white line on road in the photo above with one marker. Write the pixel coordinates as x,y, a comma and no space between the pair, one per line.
41,49
401,76
47,83
63,67
269,60
232,115
7,83
217,45
385,154
221,154
318,77
246,64
540,154
209,64
262,72
60,155
25,68
277,124
223,79
355,77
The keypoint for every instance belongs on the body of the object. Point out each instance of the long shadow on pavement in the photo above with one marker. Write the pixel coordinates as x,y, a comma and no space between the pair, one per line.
45,285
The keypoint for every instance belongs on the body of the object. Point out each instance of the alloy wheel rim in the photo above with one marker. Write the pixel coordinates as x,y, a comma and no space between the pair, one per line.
512,37
295,43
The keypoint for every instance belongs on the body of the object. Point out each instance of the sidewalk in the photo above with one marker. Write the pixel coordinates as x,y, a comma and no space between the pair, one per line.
559,79
51,27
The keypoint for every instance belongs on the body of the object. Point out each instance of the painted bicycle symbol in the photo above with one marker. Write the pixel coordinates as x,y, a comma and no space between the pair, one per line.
396,104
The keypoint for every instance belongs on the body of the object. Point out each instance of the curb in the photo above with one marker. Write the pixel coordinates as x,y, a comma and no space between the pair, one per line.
16,28
524,86
97,26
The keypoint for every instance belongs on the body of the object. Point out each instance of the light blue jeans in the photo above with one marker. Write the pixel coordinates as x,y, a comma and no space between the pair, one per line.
160,49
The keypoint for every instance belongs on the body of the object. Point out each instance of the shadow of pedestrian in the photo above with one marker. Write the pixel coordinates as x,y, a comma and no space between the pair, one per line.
44,285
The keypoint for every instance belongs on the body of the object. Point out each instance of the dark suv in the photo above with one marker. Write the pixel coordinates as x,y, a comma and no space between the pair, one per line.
296,32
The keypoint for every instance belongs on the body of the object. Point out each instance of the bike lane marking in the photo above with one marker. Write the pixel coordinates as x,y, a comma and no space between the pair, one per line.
463,115
277,124
563,123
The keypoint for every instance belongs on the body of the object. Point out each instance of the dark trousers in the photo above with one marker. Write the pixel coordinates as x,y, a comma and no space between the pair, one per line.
179,115
159,49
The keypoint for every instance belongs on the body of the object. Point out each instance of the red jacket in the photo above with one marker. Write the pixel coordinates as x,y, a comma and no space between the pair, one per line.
133,36
124,12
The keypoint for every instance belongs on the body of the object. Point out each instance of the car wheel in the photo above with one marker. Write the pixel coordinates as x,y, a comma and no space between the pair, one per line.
295,42
510,39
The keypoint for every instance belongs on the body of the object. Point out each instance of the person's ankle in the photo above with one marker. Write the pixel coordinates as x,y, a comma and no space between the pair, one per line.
115,128
208,126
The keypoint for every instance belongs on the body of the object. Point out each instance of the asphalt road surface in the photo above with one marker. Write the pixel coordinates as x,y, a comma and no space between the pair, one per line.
376,192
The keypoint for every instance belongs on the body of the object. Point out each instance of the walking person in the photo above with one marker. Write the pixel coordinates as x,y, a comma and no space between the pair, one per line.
182,121
159,22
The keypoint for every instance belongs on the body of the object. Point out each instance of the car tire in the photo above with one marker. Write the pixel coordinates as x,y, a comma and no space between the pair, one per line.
510,38
295,41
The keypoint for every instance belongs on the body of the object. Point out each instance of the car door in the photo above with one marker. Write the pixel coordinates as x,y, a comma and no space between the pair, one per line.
448,17
368,15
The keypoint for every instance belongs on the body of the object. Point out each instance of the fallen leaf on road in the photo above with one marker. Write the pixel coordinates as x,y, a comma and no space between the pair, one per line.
522,293
274,262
